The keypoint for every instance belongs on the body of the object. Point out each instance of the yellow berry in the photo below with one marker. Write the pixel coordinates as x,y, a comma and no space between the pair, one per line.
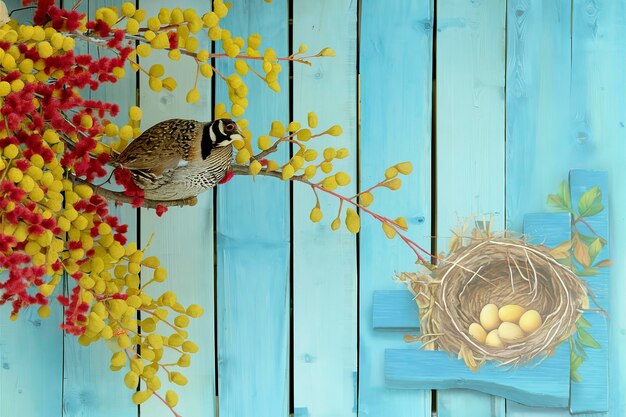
393,184
312,120
144,50
194,311
391,172
335,224
366,199
326,167
327,52
310,171
206,70
171,398
174,54
405,168
390,232
131,380
316,215
255,167
335,130
342,178
288,172
11,151
160,274
44,312
5,88
128,9
353,222
303,135
329,183
189,346
140,397
193,96
243,156
210,19
277,130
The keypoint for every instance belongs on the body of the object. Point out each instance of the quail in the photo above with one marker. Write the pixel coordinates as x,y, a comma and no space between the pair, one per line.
178,159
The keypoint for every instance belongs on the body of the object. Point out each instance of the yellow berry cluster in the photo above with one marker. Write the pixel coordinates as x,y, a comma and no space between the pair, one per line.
185,26
46,41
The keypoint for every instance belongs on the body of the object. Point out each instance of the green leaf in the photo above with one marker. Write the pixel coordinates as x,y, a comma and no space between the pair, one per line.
588,272
575,361
590,203
595,248
605,263
556,202
587,340
582,322
575,376
565,196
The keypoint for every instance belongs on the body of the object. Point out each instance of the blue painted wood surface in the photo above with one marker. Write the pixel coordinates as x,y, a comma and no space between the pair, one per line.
394,310
396,78
193,261
591,395
545,385
565,108
31,349
325,263
253,247
469,136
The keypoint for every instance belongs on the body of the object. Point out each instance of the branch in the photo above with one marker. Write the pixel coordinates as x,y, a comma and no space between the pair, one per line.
120,197
415,247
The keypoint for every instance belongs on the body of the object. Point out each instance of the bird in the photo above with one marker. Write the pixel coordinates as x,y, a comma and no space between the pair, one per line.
178,159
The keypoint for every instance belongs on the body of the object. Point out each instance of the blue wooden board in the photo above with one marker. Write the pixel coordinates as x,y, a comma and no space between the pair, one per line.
470,117
325,293
546,385
394,310
192,261
253,246
396,79
591,395
31,348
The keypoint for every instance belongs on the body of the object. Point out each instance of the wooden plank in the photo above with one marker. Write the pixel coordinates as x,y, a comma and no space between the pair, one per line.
325,293
597,139
395,105
591,395
30,371
253,247
88,383
394,310
470,141
546,385
183,238
539,147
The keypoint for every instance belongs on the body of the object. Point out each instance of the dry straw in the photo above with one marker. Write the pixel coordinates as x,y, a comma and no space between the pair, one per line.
498,270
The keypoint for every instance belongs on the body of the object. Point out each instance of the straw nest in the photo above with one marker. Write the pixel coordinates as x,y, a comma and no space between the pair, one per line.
500,271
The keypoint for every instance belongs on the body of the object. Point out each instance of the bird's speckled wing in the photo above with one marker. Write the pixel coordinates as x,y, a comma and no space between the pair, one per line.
162,146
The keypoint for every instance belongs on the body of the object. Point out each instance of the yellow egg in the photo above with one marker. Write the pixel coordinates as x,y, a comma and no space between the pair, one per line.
489,317
530,321
510,332
477,332
511,312
493,339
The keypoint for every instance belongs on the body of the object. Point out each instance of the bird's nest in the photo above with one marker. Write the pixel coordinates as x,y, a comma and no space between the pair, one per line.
501,271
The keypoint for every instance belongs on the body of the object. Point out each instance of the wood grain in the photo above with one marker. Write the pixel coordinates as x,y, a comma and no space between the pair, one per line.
183,237
395,107
470,140
253,246
325,263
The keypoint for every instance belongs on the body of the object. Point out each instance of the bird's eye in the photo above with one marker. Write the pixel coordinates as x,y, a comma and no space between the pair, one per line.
230,127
